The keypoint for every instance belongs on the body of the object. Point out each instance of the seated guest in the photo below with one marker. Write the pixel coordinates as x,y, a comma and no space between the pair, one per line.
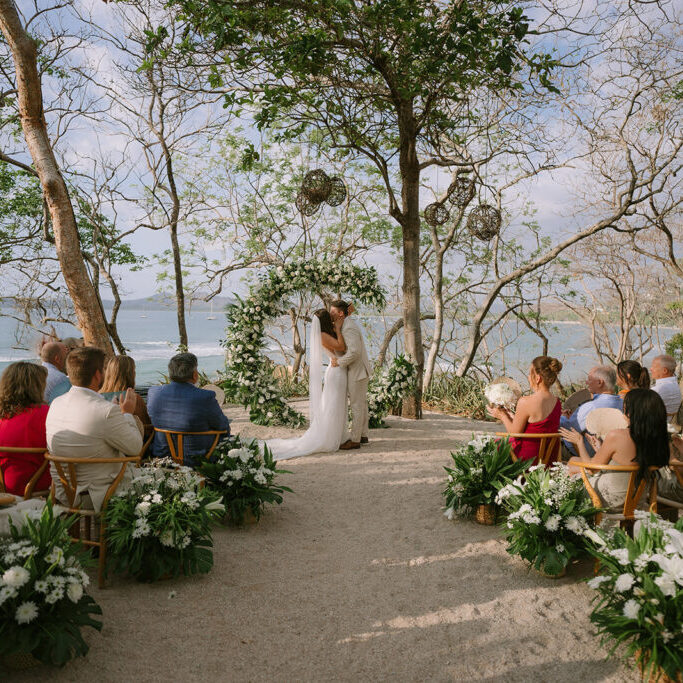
181,406
53,355
631,375
22,425
538,413
83,424
663,371
645,442
601,382
119,375
668,484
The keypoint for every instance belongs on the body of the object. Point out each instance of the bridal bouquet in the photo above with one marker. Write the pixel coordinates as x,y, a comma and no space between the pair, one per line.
244,475
640,593
480,469
161,523
549,517
500,395
43,603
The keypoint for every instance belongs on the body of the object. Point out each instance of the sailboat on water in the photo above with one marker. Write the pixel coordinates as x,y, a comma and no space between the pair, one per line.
212,316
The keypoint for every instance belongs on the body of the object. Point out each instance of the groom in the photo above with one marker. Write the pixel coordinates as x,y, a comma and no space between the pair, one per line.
356,361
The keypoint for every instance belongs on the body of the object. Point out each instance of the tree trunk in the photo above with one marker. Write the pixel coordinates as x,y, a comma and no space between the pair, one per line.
89,314
177,263
410,223
437,298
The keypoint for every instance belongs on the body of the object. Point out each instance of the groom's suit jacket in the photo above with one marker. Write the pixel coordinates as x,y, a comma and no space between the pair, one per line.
356,357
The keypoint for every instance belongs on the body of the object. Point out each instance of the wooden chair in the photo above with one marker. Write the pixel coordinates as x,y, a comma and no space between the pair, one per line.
177,449
633,494
68,477
666,506
29,491
548,448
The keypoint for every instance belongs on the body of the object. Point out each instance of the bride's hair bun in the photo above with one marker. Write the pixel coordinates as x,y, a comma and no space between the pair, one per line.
547,368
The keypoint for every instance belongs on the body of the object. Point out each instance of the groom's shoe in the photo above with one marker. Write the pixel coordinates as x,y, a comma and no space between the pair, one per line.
364,439
349,445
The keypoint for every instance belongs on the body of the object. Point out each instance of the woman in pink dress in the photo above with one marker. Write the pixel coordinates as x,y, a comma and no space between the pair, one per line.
538,413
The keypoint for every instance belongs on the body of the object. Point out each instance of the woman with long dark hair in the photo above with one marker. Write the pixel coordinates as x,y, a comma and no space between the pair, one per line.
644,442
632,375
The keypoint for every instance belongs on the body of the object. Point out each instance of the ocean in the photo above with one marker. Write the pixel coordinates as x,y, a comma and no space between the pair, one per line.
146,334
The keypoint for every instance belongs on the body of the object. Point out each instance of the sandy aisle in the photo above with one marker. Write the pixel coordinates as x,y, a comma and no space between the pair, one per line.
358,576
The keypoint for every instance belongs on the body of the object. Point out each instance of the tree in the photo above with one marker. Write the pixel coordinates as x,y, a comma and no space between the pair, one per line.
376,79
88,310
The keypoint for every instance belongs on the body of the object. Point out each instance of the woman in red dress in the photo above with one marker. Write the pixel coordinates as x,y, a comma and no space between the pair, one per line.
538,413
22,425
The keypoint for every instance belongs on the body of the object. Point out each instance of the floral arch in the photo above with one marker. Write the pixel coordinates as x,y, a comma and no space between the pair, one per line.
249,377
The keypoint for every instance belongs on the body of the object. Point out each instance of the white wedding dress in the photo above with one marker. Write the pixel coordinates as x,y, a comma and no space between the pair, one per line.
328,410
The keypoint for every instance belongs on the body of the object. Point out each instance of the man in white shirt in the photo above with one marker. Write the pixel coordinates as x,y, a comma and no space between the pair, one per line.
663,371
83,424
53,355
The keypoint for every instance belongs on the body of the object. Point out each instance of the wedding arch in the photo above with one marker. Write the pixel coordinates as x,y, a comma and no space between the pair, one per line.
249,378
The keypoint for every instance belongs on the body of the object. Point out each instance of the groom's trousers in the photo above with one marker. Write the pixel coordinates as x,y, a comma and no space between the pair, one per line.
358,399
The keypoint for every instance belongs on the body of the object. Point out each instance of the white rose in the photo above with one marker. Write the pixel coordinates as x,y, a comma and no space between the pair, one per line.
74,591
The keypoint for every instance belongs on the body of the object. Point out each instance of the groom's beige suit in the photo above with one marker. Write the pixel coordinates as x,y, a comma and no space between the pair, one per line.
356,361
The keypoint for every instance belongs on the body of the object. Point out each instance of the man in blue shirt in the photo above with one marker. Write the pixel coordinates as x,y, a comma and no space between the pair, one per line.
601,382
53,355
181,406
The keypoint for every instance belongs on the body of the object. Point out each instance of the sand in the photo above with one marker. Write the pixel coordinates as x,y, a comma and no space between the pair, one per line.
357,576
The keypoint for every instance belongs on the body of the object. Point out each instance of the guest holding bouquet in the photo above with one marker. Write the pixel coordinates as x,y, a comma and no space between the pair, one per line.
538,413
22,425
631,375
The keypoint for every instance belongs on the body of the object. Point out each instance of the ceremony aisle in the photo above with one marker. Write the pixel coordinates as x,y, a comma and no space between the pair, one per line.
357,576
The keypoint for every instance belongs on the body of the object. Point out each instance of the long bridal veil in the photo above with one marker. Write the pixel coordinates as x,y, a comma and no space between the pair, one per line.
327,406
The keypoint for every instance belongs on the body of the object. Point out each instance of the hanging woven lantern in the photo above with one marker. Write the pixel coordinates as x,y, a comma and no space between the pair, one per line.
337,191
461,191
484,222
316,186
436,214
306,207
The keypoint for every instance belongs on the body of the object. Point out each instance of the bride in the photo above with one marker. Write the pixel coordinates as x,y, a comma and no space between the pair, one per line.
328,411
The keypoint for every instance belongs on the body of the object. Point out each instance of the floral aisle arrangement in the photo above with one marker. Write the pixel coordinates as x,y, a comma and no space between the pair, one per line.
549,517
249,378
244,474
480,469
639,599
161,524
43,603
388,389
500,394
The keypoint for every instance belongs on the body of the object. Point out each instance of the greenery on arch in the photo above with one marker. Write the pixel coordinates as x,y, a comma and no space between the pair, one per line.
249,378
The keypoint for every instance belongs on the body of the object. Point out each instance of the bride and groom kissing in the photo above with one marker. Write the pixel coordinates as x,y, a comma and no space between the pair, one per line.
336,335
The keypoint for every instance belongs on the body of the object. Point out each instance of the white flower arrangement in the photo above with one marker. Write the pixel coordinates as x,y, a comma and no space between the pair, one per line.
249,378
161,524
549,517
639,598
42,590
500,394
387,390
243,472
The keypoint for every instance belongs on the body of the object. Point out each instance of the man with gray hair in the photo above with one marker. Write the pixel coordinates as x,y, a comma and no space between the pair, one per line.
53,355
183,407
601,382
663,371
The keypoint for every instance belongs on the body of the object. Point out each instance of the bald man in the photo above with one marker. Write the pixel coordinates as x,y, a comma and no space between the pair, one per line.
53,355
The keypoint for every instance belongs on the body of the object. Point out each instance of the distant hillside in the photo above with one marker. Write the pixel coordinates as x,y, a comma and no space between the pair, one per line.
162,301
